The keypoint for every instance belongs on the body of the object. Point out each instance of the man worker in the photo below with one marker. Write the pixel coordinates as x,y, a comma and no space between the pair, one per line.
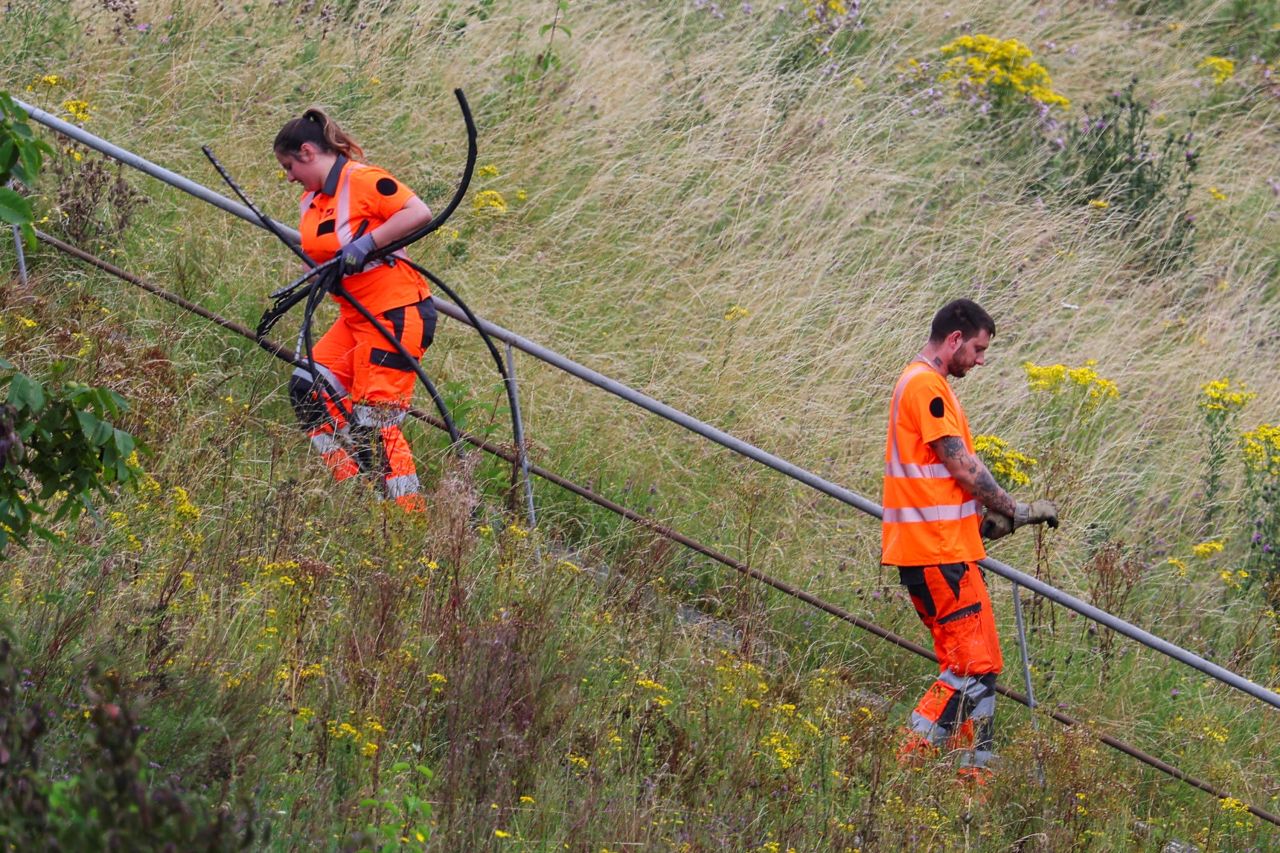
934,489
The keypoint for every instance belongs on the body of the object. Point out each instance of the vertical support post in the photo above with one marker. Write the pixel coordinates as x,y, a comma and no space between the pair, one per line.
1026,671
22,257
521,452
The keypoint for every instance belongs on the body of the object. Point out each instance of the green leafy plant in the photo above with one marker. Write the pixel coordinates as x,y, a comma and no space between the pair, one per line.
108,802
1109,162
398,818
58,448
20,157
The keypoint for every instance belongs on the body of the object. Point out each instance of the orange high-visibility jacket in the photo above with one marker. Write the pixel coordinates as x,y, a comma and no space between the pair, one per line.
929,519
354,193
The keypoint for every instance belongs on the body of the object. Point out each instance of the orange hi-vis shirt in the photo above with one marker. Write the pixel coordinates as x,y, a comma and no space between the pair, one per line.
929,518
355,193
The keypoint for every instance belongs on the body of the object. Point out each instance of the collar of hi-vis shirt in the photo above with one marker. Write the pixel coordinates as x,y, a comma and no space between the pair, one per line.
331,180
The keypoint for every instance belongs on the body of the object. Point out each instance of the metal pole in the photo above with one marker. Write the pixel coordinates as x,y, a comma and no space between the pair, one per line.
1022,647
1026,672
22,257
694,425
521,451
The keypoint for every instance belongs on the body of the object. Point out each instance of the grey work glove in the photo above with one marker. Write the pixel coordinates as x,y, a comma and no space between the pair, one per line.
1036,512
355,253
995,525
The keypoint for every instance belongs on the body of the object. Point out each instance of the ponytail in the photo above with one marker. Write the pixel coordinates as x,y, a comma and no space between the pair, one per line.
321,131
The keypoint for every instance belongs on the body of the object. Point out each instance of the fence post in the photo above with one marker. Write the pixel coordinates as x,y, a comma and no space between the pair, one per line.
521,451
1026,671
22,258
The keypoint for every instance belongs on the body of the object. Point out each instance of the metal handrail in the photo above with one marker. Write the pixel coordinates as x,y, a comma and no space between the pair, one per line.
692,424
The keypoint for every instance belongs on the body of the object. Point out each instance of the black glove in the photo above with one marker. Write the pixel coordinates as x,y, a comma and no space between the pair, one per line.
1036,512
995,525
355,253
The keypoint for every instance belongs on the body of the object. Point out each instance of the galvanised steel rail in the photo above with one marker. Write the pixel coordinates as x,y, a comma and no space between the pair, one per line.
694,425
662,530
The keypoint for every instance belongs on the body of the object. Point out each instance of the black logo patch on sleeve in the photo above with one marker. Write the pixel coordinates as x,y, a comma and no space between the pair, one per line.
326,227
936,408
386,186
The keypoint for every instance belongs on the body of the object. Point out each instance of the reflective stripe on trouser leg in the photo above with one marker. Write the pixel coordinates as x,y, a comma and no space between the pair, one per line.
334,452
402,474
950,704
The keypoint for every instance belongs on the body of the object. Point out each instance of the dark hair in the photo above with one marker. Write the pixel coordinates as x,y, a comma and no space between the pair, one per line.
962,315
321,131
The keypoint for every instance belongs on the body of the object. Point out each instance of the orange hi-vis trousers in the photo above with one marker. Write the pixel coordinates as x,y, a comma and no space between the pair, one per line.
353,409
959,707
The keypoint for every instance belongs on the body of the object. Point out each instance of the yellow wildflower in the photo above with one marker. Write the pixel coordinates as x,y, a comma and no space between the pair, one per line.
1000,67
78,110
1261,448
490,202
1218,396
487,171
1101,204
1207,549
1217,194
1220,67
736,313
1007,464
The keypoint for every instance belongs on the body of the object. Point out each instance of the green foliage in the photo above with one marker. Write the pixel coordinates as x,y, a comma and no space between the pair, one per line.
397,818
59,447
524,68
108,802
20,157
1108,161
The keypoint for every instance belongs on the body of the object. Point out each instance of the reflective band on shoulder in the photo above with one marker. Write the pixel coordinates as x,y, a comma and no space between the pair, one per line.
398,487
946,512
304,204
905,469
911,373
343,229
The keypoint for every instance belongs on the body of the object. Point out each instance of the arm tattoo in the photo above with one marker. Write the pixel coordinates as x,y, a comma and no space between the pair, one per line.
989,493
972,474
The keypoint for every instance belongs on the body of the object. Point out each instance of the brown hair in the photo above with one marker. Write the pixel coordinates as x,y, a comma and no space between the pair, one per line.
321,131
962,315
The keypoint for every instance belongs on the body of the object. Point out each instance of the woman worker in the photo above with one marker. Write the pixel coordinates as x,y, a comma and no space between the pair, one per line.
350,209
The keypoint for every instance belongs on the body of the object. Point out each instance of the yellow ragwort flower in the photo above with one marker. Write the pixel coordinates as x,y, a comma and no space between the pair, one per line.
1220,67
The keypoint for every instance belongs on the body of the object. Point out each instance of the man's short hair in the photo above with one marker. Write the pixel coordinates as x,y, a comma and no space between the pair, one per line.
963,315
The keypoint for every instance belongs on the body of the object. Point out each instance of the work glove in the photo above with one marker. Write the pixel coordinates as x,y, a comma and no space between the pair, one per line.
355,253
995,525
1036,512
